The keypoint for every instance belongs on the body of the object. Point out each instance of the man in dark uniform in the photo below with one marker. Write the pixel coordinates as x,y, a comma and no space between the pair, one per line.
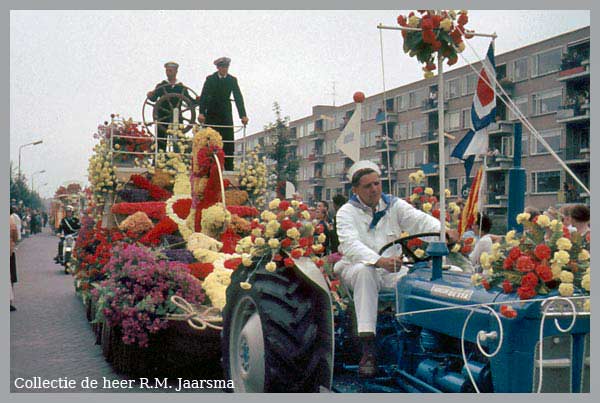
215,106
165,112
68,225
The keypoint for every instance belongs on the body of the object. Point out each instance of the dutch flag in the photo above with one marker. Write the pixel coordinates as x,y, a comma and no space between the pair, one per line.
483,112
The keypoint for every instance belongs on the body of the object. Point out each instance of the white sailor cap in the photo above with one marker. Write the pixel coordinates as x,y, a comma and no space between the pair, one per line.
171,64
69,208
222,61
366,164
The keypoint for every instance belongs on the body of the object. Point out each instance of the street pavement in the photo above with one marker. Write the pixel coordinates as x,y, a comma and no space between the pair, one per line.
49,333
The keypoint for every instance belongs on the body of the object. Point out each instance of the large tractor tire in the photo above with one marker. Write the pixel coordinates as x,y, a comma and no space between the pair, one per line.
274,335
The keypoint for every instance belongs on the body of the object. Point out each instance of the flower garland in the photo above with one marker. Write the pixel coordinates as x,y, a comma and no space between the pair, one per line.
216,283
156,192
441,32
243,211
177,209
200,270
163,227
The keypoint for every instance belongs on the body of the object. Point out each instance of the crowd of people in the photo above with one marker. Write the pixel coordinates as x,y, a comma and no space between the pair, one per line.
24,221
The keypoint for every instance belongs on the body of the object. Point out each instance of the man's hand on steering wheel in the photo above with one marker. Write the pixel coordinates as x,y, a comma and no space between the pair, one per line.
390,263
150,94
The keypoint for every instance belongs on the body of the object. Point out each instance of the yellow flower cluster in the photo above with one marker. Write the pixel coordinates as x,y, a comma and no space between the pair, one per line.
453,209
182,185
171,163
101,174
523,217
215,219
136,222
200,241
417,177
205,137
564,244
215,284
543,221
253,178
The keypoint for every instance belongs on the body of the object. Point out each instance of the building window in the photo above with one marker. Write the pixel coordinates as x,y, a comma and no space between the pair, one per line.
453,186
368,139
547,101
415,98
507,146
545,182
327,194
471,83
453,88
417,127
400,160
547,62
520,69
522,104
403,131
402,102
466,118
401,190
452,120
415,158
552,137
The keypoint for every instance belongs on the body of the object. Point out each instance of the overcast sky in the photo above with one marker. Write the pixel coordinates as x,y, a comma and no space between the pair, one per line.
70,70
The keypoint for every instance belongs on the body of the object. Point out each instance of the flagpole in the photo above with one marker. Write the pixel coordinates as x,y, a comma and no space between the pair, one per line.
441,150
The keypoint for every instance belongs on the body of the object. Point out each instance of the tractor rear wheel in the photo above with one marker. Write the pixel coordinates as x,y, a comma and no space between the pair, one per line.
272,334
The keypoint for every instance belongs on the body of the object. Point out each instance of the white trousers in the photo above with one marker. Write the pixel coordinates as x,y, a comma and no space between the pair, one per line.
365,283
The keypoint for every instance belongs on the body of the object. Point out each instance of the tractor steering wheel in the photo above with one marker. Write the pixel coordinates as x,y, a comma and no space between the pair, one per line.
162,109
406,250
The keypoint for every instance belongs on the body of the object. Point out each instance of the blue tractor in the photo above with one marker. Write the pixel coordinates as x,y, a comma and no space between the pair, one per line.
435,333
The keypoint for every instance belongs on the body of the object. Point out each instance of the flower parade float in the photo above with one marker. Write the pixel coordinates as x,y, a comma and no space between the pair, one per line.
157,248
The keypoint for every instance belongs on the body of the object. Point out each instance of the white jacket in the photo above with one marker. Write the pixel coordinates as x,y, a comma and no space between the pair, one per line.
359,244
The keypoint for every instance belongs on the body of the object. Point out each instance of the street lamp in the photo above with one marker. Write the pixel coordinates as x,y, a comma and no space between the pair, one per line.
35,143
33,174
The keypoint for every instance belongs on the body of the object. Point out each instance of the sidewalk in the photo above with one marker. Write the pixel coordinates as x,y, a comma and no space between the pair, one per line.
50,335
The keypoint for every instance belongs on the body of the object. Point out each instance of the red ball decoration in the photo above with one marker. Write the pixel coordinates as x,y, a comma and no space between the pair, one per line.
359,97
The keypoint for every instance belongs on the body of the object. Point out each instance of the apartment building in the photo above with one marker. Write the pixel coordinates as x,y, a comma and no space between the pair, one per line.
549,81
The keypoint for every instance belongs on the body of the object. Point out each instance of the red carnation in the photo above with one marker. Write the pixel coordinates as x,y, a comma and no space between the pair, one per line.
436,213
277,258
319,229
233,264
544,272
525,264
526,293
427,24
507,287
303,207
466,249
297,253
287,224
530,280
542,252
428,37
418,190
514,253
468,241
307,252
508,312
414,243
436,45
287,262
305,242
455,35
286,243
452,60
566,233
433,200
463,19
485,284
401,20
436,19
284,205
319,263
508,264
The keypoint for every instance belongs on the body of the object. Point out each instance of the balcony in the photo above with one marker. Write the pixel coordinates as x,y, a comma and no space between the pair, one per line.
392,118
315,158
316,181
430,137
382,145
431,105
292,141
343,177
575,154
497,200
315,134
499,162
575,112
502,128
507,85
575,65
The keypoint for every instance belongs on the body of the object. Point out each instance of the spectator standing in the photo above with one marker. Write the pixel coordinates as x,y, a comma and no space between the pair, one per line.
338,201
14,237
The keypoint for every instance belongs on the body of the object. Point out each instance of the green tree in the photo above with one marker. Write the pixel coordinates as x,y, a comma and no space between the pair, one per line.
283,155
19,191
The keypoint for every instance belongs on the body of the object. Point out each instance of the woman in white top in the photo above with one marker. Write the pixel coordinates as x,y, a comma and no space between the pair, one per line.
482,228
